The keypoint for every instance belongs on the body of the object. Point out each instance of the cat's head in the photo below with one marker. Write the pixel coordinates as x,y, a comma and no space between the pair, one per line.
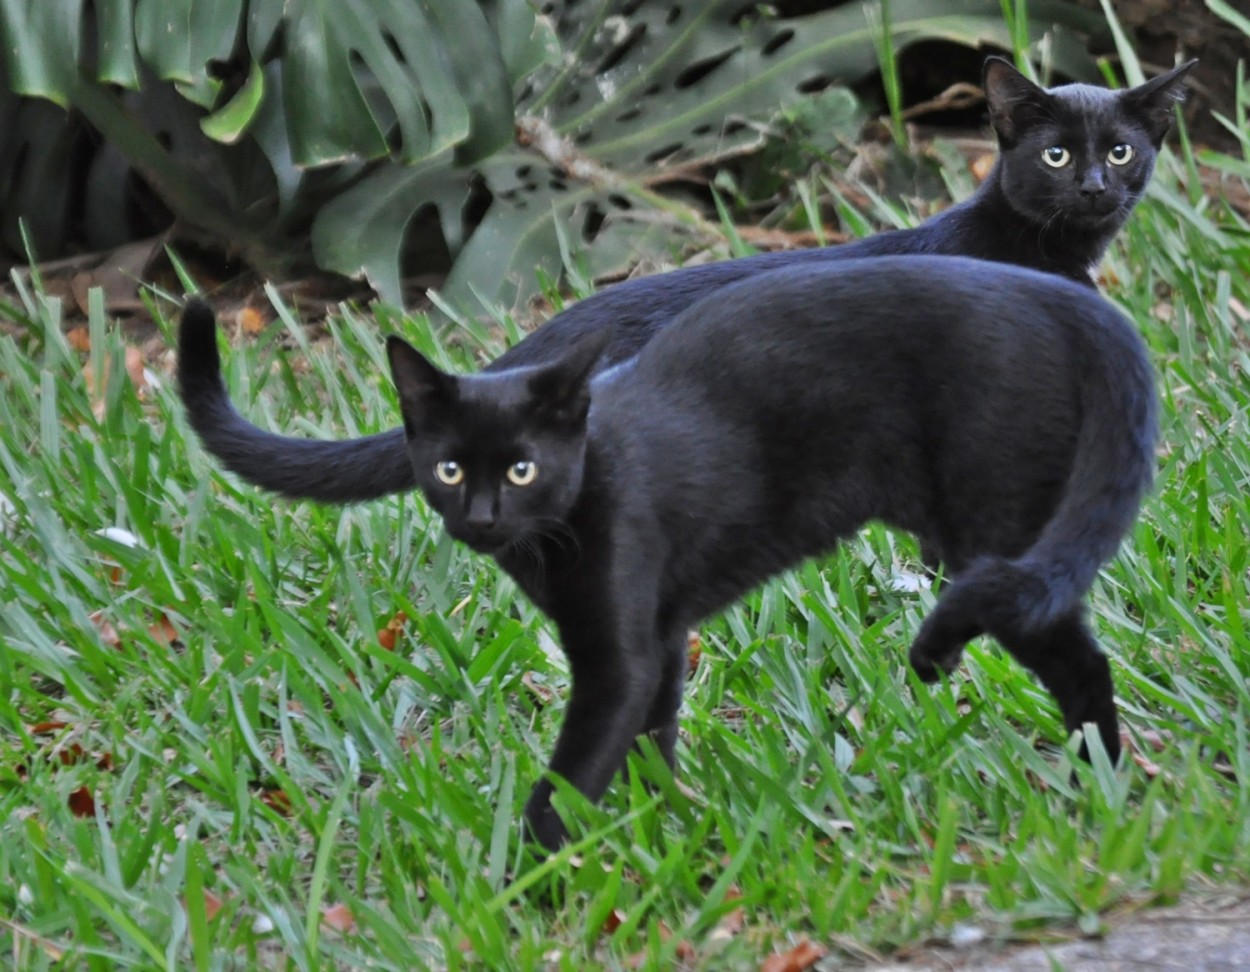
499,455
1078,155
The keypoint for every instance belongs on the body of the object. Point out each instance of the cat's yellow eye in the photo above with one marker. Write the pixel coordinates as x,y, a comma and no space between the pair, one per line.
449,473
522,473
1056,156
1120,154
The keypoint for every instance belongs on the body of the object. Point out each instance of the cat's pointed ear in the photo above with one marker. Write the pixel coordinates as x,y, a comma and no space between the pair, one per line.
1012,98
562,390
421,386
1152,102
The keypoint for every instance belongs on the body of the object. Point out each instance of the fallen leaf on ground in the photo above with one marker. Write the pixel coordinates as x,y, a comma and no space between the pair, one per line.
71,754
733,922
250,320
981,166
388,636
276,800
164,631
81,802
104,627
803,956
338,917
212,904
614,920
46,728
542,694
78,338
694,652
134,368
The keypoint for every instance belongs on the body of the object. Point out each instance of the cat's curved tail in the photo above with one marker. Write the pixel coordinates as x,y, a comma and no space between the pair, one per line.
1031,603
339,471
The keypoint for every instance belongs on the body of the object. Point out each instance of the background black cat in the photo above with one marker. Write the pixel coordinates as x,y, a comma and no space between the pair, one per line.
1005,416
1073,162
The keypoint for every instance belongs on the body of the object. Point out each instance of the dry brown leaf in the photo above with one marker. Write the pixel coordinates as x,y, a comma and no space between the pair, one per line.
276,800
731,924
134,368
542,695
46,728
614,920
81,802
105,763
694,652
164,631
250,321
803,956
78,338
71,754
981,166
1108,279
389,635
338,917
134,371
212,905
108,634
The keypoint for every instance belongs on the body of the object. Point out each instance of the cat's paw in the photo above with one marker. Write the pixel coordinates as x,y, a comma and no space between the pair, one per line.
542,824
931,661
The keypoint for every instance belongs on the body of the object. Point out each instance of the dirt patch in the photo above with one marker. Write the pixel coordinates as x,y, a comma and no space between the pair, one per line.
1207,934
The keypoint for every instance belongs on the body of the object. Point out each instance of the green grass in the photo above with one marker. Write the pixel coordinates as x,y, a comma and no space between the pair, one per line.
822,790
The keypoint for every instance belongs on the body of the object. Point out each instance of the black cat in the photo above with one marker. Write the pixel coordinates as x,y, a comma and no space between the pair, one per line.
1074,161
1004,415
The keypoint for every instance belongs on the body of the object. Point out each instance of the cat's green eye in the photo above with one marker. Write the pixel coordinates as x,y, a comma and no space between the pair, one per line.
522,473
1120,154
449,473
1056,156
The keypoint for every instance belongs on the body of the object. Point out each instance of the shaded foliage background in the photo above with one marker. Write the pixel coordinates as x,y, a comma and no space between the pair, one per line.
489,143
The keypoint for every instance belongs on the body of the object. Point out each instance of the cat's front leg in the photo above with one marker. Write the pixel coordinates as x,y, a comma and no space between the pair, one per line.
615,689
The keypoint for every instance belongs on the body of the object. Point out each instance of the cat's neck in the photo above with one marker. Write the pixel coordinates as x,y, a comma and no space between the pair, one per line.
1002,232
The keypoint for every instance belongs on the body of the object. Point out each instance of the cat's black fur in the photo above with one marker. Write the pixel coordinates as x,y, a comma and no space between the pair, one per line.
1026,212
1006,416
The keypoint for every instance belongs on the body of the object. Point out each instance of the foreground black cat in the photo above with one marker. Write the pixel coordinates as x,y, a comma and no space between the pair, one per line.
1005,416
1074,161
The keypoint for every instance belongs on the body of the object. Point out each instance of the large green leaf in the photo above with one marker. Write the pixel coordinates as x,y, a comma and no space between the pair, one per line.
177,39
40,45
354,68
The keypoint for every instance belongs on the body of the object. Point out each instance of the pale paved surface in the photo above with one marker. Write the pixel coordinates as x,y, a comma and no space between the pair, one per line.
1208,935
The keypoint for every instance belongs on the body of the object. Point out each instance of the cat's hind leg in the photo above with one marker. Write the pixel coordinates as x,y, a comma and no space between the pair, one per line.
1067,660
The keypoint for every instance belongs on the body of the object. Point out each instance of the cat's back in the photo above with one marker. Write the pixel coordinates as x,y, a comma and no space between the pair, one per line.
796,324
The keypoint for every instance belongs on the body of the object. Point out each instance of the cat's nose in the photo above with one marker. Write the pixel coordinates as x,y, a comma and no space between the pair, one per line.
481,512
1093,185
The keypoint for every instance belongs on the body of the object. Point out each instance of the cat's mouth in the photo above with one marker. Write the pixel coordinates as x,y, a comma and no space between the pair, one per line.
1098,213
490,542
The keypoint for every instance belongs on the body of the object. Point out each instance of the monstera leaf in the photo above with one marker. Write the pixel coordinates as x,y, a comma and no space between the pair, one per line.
643,93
